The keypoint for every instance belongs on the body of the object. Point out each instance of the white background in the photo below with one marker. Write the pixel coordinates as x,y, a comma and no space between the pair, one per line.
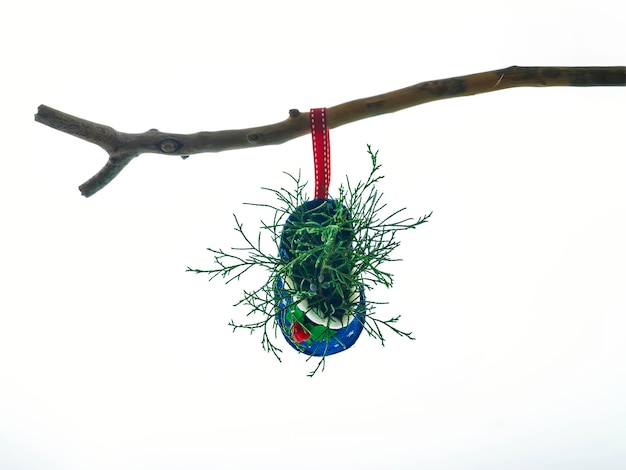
111,356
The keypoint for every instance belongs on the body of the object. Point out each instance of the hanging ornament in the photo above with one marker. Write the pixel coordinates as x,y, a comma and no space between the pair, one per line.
321,309
330,251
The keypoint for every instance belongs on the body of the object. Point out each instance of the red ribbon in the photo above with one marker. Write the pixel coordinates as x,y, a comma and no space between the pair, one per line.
321,151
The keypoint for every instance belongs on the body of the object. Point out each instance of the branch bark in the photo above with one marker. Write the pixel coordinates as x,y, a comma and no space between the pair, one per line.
123,147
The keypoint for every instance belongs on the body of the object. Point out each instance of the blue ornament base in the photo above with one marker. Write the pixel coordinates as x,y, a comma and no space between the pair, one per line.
339,339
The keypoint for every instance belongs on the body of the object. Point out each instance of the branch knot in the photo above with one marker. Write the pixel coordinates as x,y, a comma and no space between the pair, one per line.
170,145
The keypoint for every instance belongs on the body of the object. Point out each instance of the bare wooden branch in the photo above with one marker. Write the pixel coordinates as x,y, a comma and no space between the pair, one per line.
123,147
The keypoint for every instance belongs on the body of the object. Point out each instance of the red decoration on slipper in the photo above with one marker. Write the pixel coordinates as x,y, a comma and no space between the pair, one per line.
299,333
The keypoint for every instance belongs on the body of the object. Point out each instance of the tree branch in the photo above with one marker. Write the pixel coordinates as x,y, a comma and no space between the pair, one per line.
123,147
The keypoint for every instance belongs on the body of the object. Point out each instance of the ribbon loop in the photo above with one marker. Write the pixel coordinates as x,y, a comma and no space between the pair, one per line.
321,151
